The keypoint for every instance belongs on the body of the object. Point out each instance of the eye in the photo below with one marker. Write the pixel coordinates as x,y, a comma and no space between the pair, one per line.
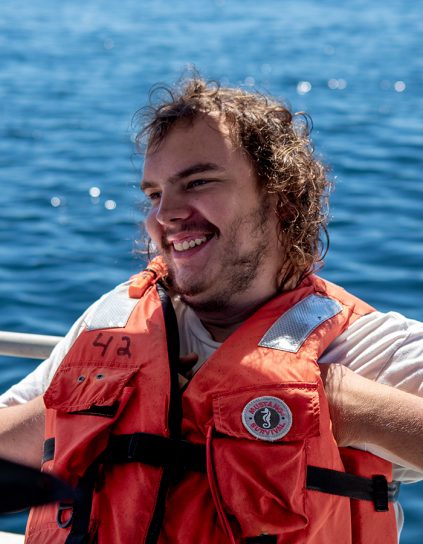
197,183
153,197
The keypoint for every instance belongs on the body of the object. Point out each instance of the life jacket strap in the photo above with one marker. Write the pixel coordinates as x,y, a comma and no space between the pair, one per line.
156,450
81,508
376,489
48,450
183,456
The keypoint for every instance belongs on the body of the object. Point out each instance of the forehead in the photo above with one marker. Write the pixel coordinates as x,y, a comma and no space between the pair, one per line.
206,140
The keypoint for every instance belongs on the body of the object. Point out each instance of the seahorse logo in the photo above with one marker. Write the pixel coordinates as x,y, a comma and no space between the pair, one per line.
266,418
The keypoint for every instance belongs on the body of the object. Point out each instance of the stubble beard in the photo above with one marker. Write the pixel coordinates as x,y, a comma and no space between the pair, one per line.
237,270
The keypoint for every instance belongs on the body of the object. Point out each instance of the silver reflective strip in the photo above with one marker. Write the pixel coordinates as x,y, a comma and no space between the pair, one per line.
113,311
290,331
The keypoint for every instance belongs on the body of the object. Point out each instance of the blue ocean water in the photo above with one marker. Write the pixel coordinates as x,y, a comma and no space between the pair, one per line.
73,73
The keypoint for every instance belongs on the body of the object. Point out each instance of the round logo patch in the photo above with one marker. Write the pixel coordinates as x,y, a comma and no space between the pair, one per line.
267,418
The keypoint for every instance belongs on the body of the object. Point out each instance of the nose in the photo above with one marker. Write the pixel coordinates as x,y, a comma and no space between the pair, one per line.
171,209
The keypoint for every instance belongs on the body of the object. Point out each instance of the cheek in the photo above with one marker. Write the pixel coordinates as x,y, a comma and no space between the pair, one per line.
152,226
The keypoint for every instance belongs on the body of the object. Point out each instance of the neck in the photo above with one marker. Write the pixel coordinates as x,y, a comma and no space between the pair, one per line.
221,324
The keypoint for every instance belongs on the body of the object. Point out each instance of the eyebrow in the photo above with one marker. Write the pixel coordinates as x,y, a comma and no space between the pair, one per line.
198,168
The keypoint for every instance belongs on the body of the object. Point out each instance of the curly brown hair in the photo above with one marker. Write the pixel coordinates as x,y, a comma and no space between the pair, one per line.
278,144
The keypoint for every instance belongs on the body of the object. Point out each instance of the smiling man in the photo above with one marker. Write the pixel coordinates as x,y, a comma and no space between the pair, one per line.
226,393
214,225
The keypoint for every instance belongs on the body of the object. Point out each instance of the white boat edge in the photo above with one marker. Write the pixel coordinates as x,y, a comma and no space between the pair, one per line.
11,538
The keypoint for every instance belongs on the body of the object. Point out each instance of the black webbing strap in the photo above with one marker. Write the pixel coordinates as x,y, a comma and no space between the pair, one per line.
156,450
48,450
81,507
182,456
174,410
375,489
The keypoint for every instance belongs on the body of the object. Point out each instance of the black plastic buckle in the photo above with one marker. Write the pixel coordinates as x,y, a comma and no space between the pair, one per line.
380,493
62,508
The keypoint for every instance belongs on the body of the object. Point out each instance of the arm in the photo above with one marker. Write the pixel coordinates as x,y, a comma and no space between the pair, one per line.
22,432
364,411
22,409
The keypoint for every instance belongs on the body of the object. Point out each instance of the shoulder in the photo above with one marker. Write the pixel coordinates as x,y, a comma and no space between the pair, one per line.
35,383
386,347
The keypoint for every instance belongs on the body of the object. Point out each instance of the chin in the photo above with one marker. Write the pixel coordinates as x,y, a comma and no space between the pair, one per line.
187,284
196,292
203,302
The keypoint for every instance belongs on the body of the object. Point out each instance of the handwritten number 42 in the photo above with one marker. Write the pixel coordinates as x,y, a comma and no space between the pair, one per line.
122,350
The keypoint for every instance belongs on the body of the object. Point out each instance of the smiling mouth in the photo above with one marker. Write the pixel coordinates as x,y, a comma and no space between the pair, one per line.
189,244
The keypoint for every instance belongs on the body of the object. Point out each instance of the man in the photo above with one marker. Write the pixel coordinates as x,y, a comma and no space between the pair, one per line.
224,434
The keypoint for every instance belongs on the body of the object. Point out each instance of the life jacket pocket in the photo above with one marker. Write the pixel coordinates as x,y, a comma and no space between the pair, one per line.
258,455
83,402
78,388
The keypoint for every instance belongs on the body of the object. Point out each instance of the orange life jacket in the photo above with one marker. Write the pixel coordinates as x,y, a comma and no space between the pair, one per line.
245,453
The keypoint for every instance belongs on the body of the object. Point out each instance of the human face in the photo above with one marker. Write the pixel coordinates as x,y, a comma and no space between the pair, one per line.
215,229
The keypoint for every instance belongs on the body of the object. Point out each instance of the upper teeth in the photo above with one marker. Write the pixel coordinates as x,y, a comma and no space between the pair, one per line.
187,244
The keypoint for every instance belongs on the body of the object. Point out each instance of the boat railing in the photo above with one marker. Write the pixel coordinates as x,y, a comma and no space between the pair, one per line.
11,538
31,346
